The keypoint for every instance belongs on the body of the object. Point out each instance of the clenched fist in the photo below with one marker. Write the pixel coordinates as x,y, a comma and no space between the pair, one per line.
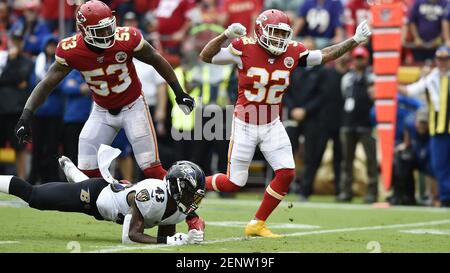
235,30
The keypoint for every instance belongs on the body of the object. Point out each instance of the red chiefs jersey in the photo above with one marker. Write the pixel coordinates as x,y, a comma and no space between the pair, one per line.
111,75
263,78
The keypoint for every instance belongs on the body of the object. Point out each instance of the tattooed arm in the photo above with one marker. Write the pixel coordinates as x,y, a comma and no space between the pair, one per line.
335,51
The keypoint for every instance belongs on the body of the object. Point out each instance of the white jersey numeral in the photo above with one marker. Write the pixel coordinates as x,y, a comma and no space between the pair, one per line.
275,91
101,87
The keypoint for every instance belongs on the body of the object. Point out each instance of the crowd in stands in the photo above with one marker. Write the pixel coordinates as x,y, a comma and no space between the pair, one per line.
178,29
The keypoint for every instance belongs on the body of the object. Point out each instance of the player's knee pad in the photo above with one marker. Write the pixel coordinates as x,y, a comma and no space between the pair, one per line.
157,172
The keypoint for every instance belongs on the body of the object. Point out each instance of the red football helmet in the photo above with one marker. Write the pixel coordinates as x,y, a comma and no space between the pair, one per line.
273,31
97,24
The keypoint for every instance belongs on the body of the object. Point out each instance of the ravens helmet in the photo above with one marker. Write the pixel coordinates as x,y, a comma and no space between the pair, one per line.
186,183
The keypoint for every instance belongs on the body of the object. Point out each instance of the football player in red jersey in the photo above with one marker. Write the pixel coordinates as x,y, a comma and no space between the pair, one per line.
103,54
265,63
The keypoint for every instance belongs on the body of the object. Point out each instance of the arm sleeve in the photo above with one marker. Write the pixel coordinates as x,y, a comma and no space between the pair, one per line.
225,56
314,58
126,230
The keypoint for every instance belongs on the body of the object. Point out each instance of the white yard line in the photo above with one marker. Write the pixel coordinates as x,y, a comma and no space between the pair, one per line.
427,231
242,224
119,248
8,242
420,224
296,204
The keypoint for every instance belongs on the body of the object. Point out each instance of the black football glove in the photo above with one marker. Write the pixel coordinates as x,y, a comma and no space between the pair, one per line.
185,102
23,127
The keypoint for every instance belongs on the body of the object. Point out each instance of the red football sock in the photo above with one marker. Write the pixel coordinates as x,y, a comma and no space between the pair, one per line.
156,172
220,182
92,173
275,192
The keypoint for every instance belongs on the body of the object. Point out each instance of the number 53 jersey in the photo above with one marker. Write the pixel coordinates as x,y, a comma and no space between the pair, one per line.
111,75
263,78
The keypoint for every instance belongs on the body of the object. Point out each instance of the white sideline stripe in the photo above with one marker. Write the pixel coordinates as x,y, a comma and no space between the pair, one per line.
428,231
231,239
420,224
8,242
241,224
314,205
127,248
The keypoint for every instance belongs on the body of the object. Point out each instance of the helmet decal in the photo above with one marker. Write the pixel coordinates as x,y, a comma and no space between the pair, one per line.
80,17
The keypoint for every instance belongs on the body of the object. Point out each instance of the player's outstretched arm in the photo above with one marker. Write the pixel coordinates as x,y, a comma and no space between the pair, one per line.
137,235
54,76
333,52
150,56
213,47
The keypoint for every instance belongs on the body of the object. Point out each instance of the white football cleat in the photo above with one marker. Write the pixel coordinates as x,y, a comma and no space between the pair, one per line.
72,173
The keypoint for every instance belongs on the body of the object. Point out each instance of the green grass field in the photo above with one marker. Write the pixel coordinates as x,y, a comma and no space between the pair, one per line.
318,226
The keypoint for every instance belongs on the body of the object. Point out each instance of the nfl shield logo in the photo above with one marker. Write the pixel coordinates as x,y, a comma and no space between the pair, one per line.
386,15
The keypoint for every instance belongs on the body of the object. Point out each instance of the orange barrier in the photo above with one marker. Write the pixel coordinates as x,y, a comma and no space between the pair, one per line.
387,15
386,63
386,135
386,39
386,22
386,111
385,87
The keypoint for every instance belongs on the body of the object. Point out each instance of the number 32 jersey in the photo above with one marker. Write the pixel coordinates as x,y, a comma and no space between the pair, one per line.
263,78
111,75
